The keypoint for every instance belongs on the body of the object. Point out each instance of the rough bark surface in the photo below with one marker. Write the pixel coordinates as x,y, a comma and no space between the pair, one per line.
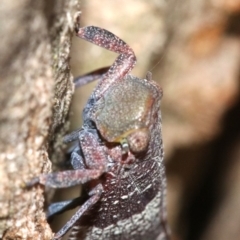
36,90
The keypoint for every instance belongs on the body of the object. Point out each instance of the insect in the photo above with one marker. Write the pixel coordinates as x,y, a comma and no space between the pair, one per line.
118,154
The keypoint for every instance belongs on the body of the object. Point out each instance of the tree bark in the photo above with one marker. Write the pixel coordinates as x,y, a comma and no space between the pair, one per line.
36,90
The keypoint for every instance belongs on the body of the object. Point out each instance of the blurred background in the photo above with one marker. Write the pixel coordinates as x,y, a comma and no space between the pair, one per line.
192,47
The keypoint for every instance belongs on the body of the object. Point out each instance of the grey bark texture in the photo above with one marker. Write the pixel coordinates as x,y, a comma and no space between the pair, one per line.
36,89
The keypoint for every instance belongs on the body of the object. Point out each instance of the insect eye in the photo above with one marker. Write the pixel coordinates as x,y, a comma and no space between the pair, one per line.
138,140
125,146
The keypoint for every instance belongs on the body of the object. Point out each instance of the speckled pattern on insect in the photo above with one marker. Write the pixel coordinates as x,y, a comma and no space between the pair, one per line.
117,154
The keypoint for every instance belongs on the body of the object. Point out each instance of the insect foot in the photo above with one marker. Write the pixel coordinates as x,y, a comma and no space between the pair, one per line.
117,154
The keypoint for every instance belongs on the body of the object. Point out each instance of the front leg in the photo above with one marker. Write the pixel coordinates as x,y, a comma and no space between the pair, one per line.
67,178
122,65
95,164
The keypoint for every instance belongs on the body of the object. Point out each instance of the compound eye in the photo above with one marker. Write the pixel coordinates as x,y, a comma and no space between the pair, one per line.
138,140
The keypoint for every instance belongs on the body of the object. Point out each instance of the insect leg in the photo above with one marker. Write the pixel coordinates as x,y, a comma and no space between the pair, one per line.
122,65
66,178
94,152
95,196
88,147
60,207
77,161
90,77
95,161
72,136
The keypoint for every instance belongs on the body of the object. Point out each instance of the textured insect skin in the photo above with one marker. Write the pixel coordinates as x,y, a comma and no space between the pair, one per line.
118,155
132,204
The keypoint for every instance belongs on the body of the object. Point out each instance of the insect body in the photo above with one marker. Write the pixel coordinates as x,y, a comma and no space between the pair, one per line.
119,155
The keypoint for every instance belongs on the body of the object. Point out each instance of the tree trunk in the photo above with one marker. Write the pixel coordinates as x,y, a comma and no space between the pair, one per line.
36,90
